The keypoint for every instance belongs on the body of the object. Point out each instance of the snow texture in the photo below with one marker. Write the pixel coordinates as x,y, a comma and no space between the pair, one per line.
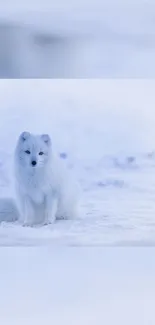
77,286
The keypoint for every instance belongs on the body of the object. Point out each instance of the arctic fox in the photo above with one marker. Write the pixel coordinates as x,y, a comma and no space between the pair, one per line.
44,190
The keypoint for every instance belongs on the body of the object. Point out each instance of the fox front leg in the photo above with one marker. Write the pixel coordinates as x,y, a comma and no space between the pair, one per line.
51,206
28,213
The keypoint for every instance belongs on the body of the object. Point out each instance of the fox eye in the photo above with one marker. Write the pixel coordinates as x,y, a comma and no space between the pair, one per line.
28,152
41,153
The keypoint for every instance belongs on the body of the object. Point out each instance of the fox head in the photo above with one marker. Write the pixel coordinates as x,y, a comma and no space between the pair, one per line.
33,151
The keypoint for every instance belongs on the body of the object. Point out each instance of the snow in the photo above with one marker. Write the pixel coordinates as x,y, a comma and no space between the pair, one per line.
104,132
78,39
83,286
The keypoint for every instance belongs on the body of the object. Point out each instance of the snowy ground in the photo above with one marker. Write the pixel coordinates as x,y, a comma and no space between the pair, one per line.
77,39
77,286
106,130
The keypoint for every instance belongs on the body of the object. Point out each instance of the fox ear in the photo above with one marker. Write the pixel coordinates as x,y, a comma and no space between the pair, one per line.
24,135
46,138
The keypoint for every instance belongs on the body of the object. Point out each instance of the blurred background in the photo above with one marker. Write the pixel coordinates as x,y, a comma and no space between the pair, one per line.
77,39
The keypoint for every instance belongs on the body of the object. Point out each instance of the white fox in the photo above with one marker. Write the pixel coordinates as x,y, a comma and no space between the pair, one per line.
44,189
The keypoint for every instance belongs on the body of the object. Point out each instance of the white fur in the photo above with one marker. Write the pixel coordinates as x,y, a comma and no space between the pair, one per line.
45,191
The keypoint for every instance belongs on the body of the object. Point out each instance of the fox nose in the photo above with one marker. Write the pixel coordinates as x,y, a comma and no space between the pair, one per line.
34,163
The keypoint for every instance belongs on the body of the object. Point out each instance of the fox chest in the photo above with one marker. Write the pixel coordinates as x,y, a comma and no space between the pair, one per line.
37,191
37,196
